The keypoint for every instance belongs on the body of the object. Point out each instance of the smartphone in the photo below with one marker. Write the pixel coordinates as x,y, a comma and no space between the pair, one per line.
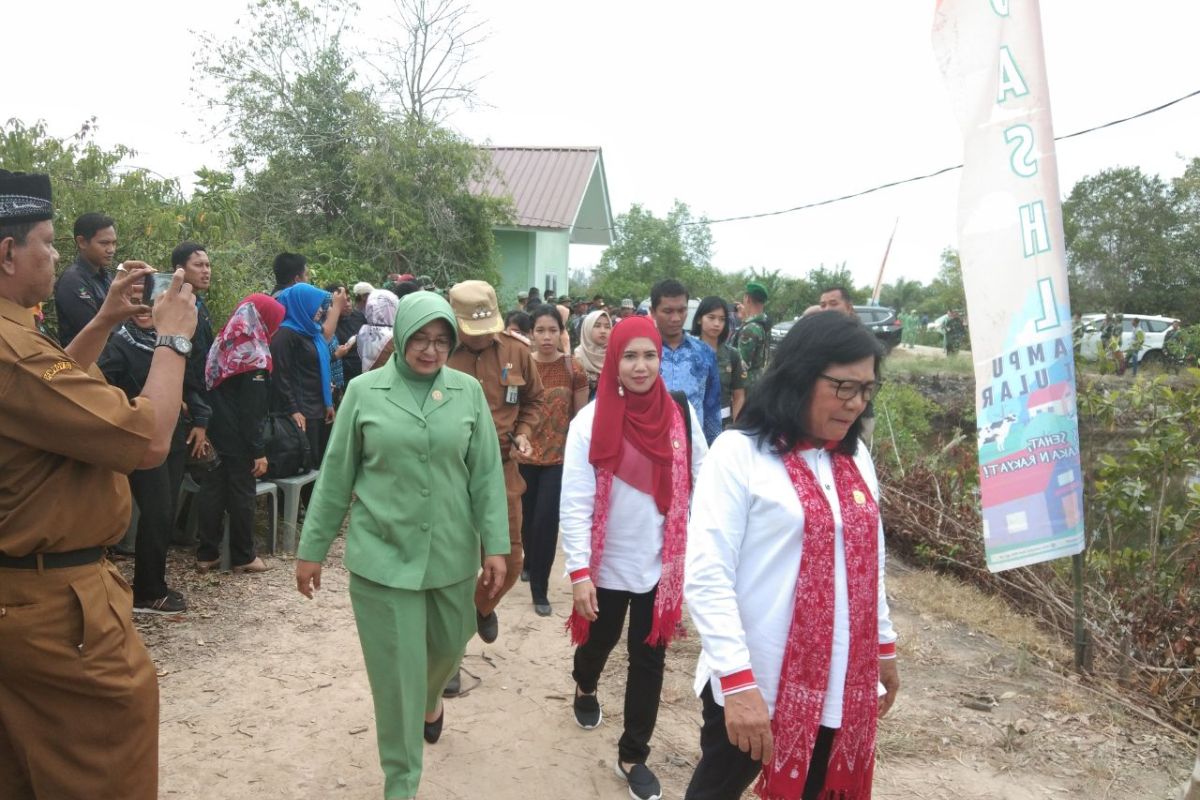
156,284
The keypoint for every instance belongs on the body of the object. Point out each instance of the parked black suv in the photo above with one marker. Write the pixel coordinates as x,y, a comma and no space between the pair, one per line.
881,321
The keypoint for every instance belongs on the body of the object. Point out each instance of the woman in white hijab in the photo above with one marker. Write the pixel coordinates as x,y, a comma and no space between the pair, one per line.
380,312
593,342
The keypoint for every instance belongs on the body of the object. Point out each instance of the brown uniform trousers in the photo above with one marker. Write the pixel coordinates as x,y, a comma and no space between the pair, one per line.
78,692
506,372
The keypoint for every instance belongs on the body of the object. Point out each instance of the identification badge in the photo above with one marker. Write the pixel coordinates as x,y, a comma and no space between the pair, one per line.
510,395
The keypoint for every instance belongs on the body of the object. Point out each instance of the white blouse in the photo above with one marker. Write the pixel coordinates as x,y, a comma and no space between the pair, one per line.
632,559
745,541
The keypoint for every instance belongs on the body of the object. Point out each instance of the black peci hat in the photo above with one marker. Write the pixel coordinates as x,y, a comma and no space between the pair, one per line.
24,197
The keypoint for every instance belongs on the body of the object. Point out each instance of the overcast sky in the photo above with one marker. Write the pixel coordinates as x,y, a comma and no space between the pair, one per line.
731,108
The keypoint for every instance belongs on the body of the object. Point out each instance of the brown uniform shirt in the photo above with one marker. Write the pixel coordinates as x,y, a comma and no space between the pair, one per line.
502,366
67,441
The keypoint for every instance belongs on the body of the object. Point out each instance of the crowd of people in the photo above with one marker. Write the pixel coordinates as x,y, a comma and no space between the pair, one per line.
675,465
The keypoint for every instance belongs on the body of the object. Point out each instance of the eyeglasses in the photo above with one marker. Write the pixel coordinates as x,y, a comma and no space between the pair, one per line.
440,344
847,390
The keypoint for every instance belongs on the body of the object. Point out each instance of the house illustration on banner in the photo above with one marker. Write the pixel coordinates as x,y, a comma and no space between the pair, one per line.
1032,502
1057,398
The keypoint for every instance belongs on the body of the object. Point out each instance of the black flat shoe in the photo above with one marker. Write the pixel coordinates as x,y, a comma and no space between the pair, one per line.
454,685
488,627
433,730
542,608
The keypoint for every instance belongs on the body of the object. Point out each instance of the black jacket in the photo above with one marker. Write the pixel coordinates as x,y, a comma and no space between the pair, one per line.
78,295
195,389
296,375
349,325
127,366
239,409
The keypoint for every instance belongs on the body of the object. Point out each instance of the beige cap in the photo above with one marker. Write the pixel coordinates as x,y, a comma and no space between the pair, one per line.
475,308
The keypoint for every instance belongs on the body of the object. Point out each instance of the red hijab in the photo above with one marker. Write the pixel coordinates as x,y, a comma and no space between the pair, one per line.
625,419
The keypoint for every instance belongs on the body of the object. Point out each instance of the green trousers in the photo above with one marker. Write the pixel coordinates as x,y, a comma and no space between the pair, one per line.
412,642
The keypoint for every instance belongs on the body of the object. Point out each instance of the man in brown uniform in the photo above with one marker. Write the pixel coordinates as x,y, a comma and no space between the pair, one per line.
513,389
78,695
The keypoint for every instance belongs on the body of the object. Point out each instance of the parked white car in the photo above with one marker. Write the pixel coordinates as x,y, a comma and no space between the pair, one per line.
1154,328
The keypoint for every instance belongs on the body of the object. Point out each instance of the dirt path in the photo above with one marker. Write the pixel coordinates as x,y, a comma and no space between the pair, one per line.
264,696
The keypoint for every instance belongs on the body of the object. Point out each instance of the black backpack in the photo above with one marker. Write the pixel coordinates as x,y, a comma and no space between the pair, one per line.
288,453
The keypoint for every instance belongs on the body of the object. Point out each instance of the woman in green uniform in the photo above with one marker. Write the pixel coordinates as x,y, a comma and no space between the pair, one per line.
420,427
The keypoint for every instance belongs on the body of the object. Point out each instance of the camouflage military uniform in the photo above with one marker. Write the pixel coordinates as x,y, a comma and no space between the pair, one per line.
754,345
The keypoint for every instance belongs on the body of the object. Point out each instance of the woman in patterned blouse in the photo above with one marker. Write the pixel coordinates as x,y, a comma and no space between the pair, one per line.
566,391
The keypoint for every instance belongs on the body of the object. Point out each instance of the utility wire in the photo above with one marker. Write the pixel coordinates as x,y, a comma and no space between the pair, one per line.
840,198
882,186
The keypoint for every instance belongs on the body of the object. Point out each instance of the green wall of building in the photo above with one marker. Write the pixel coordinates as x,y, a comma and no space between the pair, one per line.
550,258
526,258
516,264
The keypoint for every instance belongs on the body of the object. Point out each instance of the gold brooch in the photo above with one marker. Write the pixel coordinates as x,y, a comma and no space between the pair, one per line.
859,497
437,394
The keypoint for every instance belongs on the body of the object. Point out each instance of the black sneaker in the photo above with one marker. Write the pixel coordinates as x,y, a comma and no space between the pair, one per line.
171,603
587,711
642,783
488,627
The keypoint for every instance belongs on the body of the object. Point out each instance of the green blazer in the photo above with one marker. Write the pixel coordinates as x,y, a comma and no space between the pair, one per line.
424,485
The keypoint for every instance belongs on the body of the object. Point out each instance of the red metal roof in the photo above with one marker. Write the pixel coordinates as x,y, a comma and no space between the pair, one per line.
546,184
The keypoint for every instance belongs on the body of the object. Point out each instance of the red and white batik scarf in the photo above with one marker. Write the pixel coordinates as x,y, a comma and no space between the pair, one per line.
806,659
668,602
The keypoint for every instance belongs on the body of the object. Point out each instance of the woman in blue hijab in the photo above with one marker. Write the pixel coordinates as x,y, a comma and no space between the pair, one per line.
300,382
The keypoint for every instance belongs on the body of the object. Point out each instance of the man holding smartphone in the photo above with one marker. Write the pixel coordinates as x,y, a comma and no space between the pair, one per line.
78,693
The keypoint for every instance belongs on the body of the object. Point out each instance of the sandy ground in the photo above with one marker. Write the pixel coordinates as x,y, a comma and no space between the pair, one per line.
264,695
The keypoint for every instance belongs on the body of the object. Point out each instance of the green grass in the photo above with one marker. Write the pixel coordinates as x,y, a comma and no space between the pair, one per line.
902,362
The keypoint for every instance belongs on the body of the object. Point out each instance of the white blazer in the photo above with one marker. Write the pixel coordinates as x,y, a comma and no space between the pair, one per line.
745,542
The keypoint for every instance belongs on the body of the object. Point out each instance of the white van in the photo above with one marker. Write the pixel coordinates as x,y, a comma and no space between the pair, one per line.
1154,328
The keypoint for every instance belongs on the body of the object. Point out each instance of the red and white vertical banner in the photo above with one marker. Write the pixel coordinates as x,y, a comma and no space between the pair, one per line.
1015,273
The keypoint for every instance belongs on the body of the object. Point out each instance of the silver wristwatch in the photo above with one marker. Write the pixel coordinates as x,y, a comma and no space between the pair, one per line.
180,344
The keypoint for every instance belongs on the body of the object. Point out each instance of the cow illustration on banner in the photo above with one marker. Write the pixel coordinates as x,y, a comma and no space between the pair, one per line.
1015,275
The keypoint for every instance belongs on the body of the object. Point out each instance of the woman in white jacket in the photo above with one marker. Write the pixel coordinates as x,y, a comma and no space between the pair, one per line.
784,580
627,475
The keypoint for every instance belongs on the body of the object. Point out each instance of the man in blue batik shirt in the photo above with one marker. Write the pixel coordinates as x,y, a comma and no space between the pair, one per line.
688,364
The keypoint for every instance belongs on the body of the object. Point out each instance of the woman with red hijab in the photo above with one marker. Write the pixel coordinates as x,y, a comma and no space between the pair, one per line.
236,374
627,472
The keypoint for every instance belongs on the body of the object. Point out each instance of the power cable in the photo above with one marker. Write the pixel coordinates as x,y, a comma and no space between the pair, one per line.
839,198
882,186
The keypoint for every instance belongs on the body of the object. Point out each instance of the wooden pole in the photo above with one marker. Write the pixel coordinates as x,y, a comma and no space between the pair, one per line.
879,279
1081,638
